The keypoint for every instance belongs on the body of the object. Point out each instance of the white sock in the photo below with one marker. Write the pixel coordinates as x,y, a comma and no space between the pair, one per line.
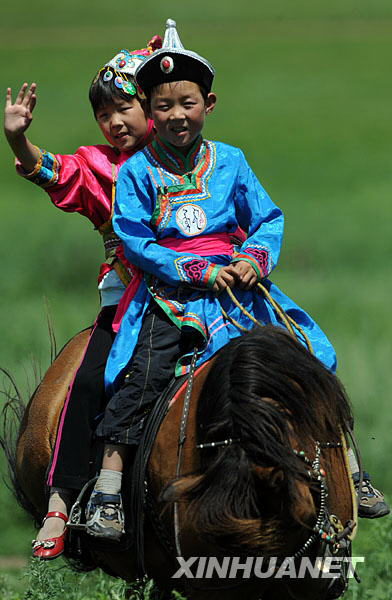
108,482
352,461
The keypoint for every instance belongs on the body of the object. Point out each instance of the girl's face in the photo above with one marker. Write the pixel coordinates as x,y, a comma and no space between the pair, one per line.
123,123
179,110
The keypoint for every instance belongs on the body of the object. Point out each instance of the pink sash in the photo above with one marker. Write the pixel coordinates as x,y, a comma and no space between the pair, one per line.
202,245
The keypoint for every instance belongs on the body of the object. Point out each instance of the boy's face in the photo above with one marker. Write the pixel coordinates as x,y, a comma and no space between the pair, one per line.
123,123
179,110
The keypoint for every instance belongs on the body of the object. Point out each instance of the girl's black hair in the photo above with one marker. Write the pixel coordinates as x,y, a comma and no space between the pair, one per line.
103,92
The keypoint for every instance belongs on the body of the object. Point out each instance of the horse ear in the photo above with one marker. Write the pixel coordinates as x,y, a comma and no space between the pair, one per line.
178,488
271,476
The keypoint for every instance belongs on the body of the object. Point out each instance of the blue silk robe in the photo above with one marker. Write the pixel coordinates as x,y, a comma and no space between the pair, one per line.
162,194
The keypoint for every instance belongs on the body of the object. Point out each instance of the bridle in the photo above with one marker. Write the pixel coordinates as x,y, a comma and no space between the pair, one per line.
322,529
332,537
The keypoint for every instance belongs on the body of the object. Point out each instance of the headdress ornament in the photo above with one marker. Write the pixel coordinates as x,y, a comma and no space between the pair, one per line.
124,64
173,63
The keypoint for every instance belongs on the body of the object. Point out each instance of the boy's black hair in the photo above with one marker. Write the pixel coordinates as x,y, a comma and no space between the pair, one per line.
103,92
148,92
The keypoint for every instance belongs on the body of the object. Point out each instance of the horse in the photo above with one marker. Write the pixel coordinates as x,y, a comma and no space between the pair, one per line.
248,461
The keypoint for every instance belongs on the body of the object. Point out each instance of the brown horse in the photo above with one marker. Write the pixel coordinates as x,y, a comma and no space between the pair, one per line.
262,462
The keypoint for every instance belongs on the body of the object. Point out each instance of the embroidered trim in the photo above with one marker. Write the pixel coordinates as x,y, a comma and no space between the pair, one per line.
110,241
173,160
50,170
175,311
258,257
162,212
189,186
47,170
196,271
262,255
212,275
193,320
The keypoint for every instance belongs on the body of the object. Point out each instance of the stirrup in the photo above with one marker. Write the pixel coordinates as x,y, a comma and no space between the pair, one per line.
77,513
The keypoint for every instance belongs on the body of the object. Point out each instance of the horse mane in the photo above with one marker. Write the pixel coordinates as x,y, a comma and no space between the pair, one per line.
265,391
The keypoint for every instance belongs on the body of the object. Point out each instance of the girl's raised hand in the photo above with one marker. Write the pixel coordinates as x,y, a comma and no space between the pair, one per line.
18,116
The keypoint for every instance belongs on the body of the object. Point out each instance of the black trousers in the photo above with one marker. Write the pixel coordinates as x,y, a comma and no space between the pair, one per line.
158,348
72,456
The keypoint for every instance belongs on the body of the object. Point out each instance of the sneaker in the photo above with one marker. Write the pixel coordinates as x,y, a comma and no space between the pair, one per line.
105,516
373,504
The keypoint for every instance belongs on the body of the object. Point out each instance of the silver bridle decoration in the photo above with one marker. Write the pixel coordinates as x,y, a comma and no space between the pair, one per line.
227,442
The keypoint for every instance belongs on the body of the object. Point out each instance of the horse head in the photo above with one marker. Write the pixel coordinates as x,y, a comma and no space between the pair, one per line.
264,404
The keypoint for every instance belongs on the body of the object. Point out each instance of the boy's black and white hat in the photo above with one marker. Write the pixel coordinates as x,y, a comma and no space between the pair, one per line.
173,63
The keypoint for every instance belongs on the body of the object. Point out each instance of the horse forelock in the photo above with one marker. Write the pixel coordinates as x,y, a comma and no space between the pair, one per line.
271,395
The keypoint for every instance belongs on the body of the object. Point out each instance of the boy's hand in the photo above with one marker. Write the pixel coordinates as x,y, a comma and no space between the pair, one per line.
245,275
18,116
240,273
225,278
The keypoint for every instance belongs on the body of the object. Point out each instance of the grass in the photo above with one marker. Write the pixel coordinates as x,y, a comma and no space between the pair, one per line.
53,581
48,581
304,89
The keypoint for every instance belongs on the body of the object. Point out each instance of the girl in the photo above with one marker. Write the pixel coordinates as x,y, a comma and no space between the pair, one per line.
84,182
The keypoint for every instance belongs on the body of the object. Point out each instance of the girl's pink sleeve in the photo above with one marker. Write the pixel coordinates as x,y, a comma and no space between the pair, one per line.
72,184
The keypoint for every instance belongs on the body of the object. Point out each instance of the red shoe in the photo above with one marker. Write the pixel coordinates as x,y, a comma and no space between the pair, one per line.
52,547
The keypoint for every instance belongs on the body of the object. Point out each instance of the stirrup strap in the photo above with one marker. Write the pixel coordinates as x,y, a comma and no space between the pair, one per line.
55,513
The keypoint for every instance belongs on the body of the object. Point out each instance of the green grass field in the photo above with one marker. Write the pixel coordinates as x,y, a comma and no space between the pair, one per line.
304,88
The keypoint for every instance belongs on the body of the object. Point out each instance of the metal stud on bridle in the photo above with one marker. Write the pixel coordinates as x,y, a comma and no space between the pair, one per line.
227,442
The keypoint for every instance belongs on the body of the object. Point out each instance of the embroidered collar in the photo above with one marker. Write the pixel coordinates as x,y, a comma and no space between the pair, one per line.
172,160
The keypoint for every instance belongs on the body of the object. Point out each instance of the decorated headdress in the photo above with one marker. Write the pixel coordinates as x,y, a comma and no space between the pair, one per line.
173,63
122,67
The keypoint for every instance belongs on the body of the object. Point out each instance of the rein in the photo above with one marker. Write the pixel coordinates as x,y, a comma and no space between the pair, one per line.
283,316
181,441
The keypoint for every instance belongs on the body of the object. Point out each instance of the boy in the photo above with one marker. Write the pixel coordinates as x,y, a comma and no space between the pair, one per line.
177,202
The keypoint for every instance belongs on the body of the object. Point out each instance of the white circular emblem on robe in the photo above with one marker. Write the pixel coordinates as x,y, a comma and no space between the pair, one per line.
191,219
